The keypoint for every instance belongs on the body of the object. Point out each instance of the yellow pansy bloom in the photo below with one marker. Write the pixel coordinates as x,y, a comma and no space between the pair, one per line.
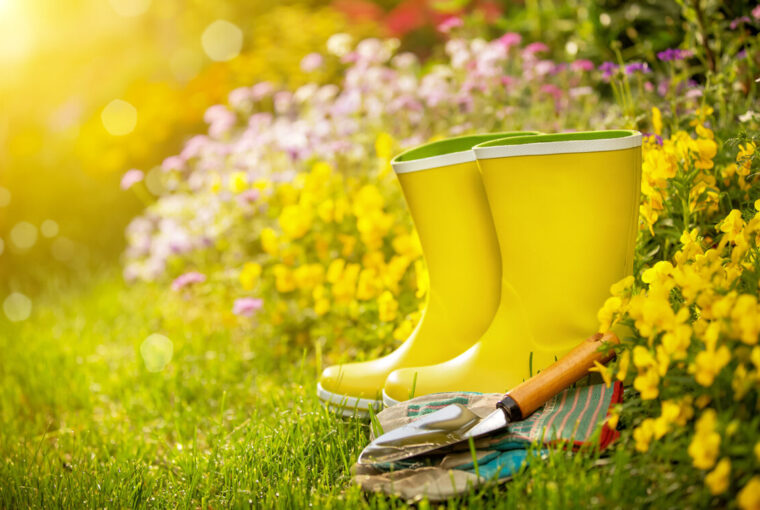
387,306
643,435
656,120
284,280
709,363
249,275
295,221
238,182
749,496
705,444
718,479
269,241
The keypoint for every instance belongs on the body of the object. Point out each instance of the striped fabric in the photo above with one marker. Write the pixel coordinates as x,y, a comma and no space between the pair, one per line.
571,416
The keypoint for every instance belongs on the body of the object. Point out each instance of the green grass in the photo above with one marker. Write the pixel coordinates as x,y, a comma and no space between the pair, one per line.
232,421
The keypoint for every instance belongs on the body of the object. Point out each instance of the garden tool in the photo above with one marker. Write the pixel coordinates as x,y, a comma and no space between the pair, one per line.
456,423
565,208
443,189
571,417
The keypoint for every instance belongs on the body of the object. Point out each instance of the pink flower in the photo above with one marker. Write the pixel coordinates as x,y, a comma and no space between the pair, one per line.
449,24
582,65
246,306
311,62
248,196
536,47
130,178
756,12
187,279
510,39
173,163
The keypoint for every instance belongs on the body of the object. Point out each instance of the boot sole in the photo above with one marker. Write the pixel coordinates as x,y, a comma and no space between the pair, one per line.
346,404
388,401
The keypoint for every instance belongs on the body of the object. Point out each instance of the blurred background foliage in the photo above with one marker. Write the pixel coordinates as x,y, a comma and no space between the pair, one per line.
65,62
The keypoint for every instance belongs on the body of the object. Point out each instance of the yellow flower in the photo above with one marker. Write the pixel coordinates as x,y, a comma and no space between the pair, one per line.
249,275
608,313
757,451
321,307
238,182
384,146
216,183
705,444
643,434
423,280
295,220
749,496
321,301
344,288
647,383
284,280
746,151
656,120
718,479
407,245
706,149
745,319
269,241
370,284
325,210
309,276
622,287
709,363
403,331
676,341
623,363
732,225
335,269
614,417
603,371
387,306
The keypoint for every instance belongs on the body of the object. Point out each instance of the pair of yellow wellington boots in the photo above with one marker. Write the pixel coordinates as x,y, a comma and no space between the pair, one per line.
522,234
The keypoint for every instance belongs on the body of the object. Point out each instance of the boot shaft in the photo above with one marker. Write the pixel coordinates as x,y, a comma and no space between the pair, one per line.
565,210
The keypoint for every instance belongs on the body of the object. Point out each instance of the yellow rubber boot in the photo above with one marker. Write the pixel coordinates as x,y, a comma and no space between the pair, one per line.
565,208
443,189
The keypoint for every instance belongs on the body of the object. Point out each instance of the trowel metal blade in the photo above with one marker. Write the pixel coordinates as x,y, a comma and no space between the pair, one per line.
445,427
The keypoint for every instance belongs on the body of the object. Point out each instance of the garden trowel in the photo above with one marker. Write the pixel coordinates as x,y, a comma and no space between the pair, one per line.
455,423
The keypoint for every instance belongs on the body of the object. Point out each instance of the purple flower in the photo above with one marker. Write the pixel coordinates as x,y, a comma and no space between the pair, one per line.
130,178
311,62
608,69
735,22
510,39
582,65
672,54
637,67
657,138
246,306
187,279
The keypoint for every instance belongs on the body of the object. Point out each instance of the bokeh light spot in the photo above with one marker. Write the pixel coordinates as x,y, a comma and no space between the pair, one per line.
49,228
157,351
222,40
17,307
63,249
5,195
119,117
130,8
186,64
23,235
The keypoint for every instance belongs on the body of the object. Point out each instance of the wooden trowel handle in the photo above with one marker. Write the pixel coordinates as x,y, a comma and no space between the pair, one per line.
528,396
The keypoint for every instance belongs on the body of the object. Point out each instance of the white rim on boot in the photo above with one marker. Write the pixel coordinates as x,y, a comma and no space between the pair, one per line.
449,151
388,401
346,403
559,143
